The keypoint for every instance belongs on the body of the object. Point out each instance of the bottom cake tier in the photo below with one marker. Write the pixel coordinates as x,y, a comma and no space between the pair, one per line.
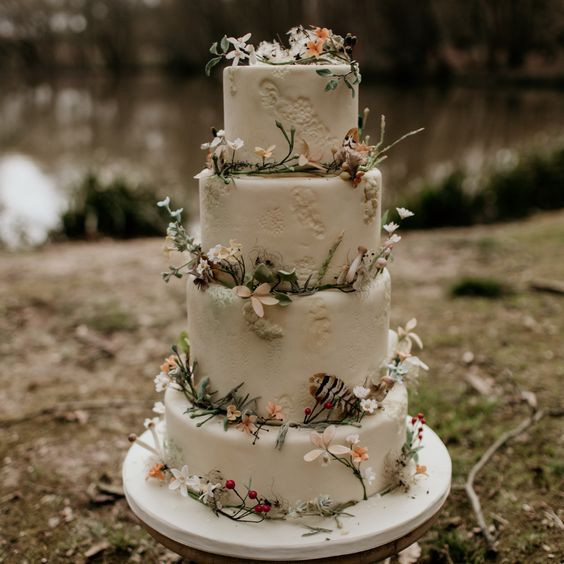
281,474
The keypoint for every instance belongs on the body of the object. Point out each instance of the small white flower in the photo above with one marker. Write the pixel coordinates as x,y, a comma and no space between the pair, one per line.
394,238
368,475
151,421
369,405
404,213
416,361
159,408
164,203
236,144
208,492
360,392
353,439
390,227
177,213
237,55
182,481
162,381
252,55
218,253
240,42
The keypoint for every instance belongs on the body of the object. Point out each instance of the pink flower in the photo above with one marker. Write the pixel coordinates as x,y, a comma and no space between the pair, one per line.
247,424
259,298
274,411
323,444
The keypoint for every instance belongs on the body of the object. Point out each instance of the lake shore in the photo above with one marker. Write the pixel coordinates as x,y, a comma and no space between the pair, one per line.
84,327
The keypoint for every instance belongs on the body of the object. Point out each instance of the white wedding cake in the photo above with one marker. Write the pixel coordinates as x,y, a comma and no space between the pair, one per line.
287,396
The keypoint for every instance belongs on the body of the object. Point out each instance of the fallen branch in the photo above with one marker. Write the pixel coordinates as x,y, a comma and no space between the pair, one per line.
550,286
61,408
534,418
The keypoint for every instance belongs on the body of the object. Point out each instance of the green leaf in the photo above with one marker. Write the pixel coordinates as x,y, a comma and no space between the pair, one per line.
385,217
349,85
283,299
331,85
213,49
211,63
224,44
323,72
286,276
184,343
264,274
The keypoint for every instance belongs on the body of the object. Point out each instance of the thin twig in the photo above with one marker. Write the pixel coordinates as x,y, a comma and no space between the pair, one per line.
59,408
534,418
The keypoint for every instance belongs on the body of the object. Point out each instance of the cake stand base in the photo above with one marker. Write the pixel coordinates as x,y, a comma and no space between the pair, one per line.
380,527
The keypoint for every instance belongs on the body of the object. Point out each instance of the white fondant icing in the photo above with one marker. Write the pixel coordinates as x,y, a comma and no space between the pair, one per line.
255,97
345,334
292,217
283,474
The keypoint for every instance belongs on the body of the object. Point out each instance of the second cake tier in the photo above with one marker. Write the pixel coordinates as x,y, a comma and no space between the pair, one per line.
342,334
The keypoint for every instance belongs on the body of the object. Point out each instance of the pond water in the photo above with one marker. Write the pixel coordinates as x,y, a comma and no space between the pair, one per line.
150,128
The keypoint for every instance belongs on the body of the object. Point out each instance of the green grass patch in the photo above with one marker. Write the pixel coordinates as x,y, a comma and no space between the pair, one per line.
110,318
478,287
451,546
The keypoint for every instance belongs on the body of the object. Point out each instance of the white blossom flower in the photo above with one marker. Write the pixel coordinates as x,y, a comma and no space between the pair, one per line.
182,481
404,213
324,446
208,492
369,405
390,227
353,439
360,392
164,203
265,153
240,42
393,239
177,213
151,422
369,475
236,144
162,381
237,55
416,361
203,269
252,55
159,407
407,337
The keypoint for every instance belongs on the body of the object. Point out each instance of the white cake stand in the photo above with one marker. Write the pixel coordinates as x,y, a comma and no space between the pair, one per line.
381,526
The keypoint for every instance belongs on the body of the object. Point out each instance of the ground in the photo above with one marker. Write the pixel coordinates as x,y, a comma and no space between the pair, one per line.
86,324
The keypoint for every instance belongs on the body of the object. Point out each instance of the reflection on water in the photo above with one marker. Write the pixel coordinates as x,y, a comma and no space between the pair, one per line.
29,202
151,128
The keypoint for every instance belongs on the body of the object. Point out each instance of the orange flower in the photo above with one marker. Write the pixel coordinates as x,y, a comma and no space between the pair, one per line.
156,471
247,424
421,470
359,454
274,411
168,364
314,48
322,33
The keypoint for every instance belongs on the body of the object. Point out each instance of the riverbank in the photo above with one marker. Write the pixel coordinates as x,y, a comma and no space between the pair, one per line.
84,326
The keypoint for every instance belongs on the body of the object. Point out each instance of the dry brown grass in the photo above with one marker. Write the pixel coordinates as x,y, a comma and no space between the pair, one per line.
82,322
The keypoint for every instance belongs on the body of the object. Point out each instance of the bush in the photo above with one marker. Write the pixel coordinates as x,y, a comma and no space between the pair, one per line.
535,182
116,209
479,287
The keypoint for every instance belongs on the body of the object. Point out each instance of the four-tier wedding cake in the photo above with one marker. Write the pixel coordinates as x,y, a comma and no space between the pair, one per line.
287,397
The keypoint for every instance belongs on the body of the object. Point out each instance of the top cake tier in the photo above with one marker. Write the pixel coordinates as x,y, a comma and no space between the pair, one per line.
255,97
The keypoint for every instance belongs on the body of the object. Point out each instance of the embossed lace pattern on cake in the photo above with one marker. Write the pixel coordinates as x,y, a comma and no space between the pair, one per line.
371,192
299,113
319,323
304,205
272,221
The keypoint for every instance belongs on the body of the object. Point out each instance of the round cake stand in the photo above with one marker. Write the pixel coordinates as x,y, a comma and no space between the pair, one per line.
380,527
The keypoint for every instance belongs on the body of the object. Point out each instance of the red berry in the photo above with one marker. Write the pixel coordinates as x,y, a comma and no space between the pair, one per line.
420,415
307,410
423,421
265,508
258,508
328,405
413,420
230,484
253,494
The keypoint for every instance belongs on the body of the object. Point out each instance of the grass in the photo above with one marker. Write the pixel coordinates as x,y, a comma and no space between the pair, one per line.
114,288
